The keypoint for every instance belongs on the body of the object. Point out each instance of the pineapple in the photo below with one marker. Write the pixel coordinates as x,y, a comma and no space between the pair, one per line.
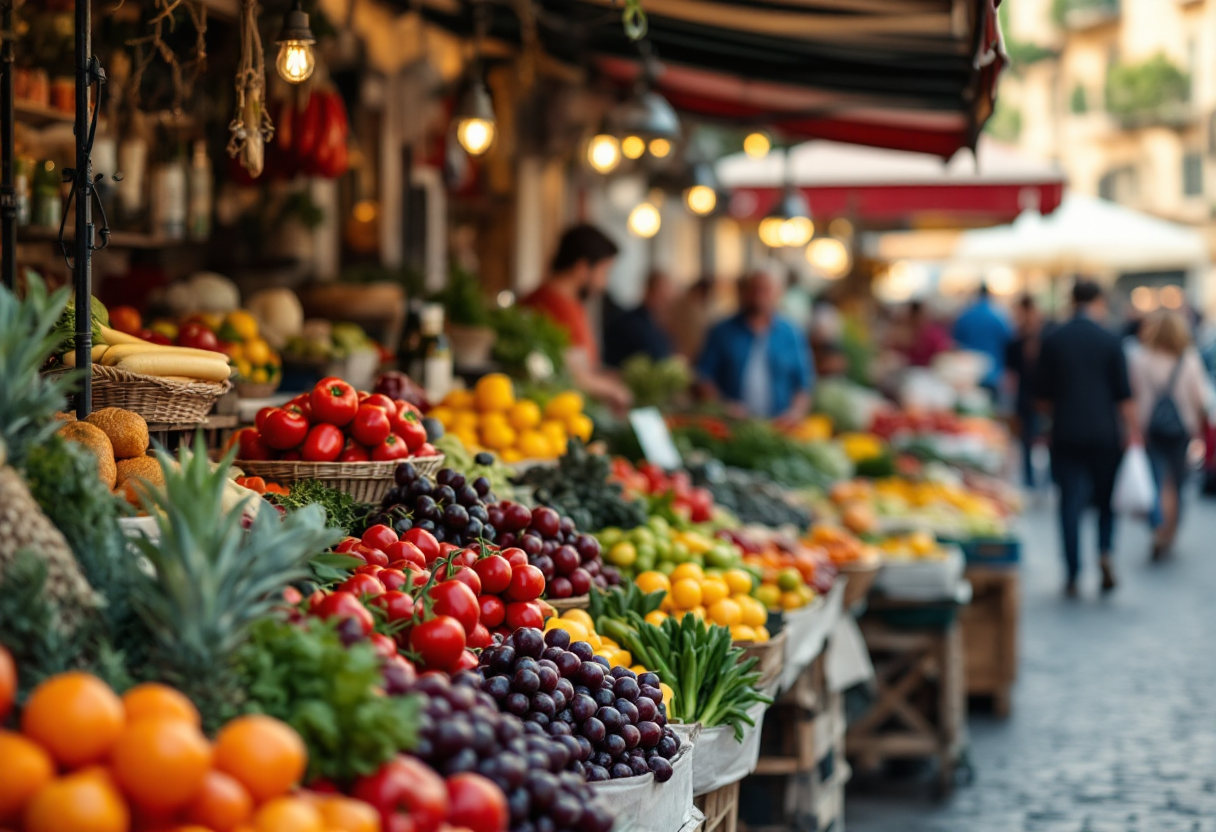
210,579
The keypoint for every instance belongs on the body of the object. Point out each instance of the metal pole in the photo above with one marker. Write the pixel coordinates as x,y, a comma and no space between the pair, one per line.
8,194
83,183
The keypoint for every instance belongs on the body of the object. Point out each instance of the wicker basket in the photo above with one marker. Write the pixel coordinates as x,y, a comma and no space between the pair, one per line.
578,602
250,390
158,400
367,482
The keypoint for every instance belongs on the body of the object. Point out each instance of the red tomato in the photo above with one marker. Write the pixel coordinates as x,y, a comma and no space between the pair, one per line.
495,574
455,599
418,577
347,543
384,646
479,639
370,554
439,641
476,803
301,405
527,584
315,600
446,549
524,614
408,426
323,443
370,569
260,419
291,456
152,337
126,319
466,661
352,451
397,605
343,605
197,337
283,430
463,574
394,447
515,557
251,446
426,543
333,402
493,610
392,578
427,449
371,425
381,400
379,537
403,406
361,584
407,793
403,550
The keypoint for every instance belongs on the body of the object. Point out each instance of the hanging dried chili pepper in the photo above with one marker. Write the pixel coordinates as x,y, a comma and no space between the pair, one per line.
251,127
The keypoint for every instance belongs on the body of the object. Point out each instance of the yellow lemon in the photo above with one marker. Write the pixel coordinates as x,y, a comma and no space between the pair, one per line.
524,415
652,582
257,351
688,570
685,593
594,640
464,420
638,669
444,415
699,611
623,658
739,581
555,431
754,613
725,612
580,426
494,392
564,405
459,400
533,445
576,630
511,455
792,600
607,642
742,632
246,325
581,616
467,438
714,590
259,376
668,693
243,368
762,634
493,418
498,437
655,618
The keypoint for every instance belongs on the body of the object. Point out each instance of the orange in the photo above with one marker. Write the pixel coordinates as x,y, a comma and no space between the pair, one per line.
74,716
688,570
653,582
739,581
27,768
80,802
580,426
564,405
267,756
8,683
222,804
494,392
288,814
726,612
160,762
714,590
154,699
191,828
524,415
349,815
686,594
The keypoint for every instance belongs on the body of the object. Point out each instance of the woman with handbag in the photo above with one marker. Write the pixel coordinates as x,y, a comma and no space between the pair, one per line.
1171,393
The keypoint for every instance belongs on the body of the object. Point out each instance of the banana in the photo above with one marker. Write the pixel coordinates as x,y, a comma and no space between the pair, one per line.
168,364
122,351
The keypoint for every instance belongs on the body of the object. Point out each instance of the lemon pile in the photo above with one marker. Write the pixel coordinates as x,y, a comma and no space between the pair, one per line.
490,417
579,625
723,598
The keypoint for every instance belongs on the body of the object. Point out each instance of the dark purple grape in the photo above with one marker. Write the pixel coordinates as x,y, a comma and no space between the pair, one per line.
583,650
549,547
461,698
444,476
444,495
462,761
551,653
542,703
583,707
627,688
565,560
503,661
520,805
537,718
513,768
620,770
566,716
559,757
543,787
639,766
653,694
602,662
557,638
667,747
566,811
457,480
547,678
628,710
527,663
584,745
421,486
594,730
545,564
405,473
537,761
567,663
544,823
603,698
566,688
591,674
427,524
467,496
525,681
648,678
396,678
559,700
518,704
598,774
614,744
602,758
483,738
619,671
456,516
662,769
506,539
611,718
531,544
530,642
646,709
475,529
438,709
649,734
632,736
557,728
482,486
509,729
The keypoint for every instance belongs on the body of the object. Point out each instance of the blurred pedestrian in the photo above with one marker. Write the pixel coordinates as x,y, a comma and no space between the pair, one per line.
689,328
926,337
982,328
1172,393
1021,357
1082,382
580,269
756,360
640,330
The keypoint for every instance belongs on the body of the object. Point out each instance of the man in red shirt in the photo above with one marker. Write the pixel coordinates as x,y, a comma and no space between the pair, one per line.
580,268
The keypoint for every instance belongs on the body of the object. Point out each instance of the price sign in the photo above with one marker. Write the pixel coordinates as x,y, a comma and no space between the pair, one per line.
655,438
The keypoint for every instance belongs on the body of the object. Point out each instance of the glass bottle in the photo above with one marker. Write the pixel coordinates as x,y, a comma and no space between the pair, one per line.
201,194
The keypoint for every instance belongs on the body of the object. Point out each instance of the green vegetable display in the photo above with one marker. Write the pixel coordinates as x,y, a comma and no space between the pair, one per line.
580,489
757,446
710,681
522,332
749,495
302,674
341,509
65,328
656,383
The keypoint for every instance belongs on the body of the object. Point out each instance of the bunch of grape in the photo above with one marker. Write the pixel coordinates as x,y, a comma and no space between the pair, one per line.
461,729
615,717
450,507
570,561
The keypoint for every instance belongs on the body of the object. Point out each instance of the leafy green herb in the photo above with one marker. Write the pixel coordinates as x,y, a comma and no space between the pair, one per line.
65,328
341,509
618,602
463,299
304,675
520,332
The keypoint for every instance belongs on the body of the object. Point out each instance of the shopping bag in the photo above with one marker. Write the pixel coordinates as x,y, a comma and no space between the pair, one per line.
1135,492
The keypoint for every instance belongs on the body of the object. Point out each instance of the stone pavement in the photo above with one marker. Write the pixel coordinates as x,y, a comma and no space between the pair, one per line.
1114,715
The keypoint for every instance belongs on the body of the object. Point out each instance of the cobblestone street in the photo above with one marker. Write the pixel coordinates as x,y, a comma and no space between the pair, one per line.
1114,714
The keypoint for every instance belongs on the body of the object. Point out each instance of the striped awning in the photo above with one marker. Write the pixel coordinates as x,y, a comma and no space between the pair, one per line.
905,74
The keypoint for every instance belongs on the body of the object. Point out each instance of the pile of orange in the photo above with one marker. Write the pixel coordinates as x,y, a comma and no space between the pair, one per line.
87,760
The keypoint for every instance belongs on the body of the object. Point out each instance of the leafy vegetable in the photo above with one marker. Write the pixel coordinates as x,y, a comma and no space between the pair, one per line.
710,682
579,487
522,332
65,328
304,675
656,383
757,446
749,495
341,509
618,602
463,299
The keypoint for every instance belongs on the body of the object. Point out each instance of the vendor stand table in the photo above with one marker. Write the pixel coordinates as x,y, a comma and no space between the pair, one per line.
989,627
920,710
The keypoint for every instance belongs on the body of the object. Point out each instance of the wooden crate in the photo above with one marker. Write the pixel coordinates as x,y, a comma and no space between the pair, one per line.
919,712
721,808
990,634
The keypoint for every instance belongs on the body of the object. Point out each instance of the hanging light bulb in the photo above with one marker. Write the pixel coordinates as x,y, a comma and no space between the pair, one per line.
770,231
475,122
757,145
295,61
830,257
701,187
797,232
632,147
659,148
645,220
789,223
604,153
701,199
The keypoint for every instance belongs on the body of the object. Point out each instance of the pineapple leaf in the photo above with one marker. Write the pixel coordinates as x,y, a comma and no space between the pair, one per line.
27,339
211,578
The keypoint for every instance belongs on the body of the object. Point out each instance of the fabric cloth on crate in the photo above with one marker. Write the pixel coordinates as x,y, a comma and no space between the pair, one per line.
725,361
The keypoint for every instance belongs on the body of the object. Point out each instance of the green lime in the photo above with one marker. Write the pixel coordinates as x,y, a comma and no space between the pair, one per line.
659,525
679,552
642,535
666,567
662,548
721,557
789,579
610,536
623,554
644,563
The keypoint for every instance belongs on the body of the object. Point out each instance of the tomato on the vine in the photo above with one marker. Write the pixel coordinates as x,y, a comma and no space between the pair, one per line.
333,402
393,447
342,605
384,646
352,451
371,425
493,610
515,557
438,642
495,573
382,401
404,550
467,660
323,444
524,614
392,578
527,584
426,543
379,537
283,430
252,447
477,804
260,418
463,574
361,584
409,427
397,605
455,599
370,554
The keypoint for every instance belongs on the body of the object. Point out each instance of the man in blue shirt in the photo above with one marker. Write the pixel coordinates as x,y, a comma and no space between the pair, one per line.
756,360
982,328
